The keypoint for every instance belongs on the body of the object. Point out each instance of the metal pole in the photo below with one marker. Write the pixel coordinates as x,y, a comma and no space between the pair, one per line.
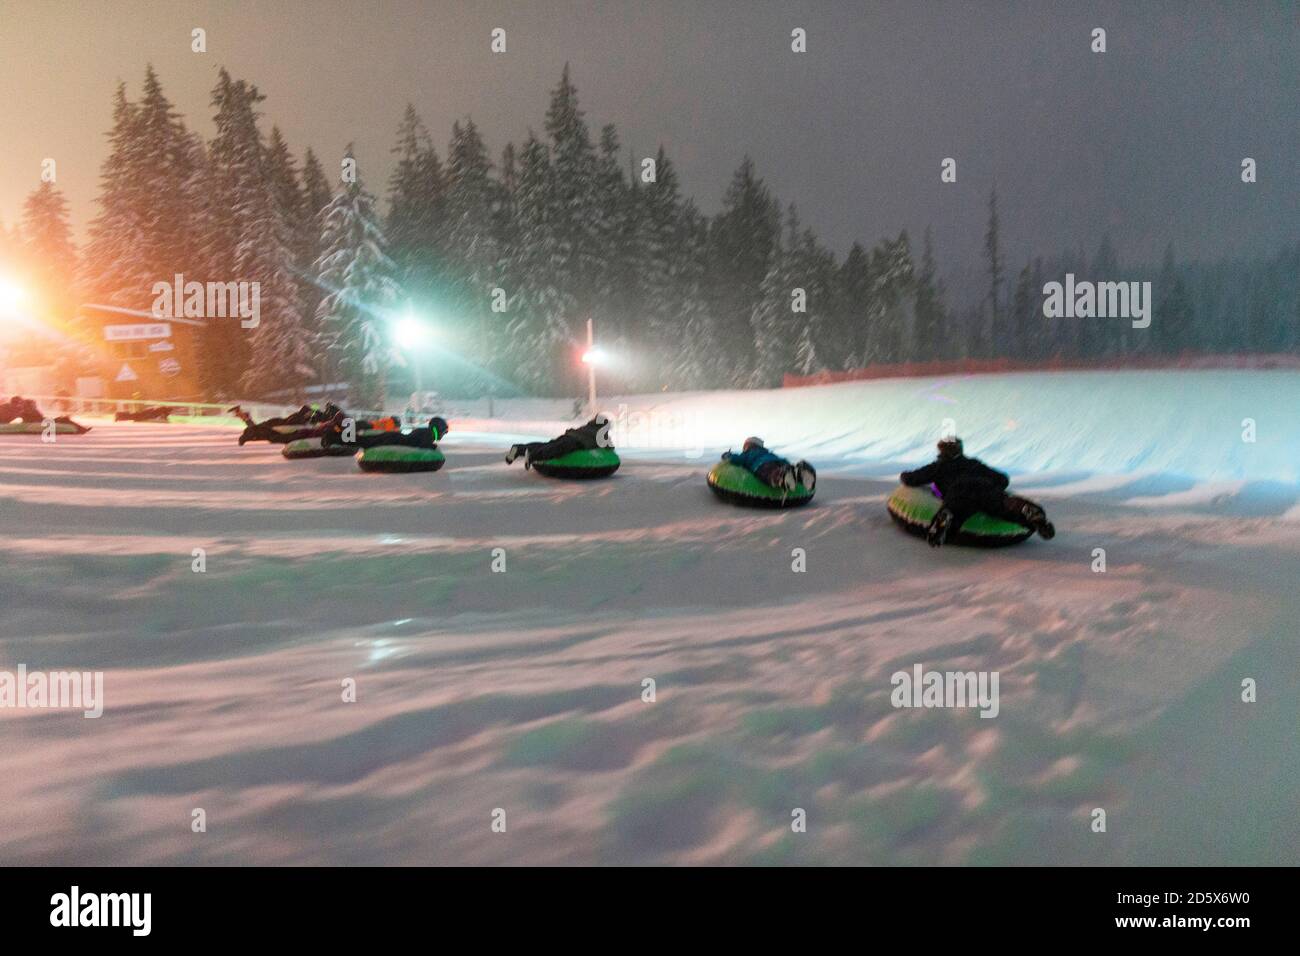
591,368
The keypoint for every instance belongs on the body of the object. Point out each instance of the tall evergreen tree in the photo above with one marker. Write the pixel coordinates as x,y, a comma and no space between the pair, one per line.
744,236
50,264
930,333
664,232
996,334
358,274
1101,338
315,185
574,207
1173,319
471,237
416,197
857,305
281,346
893,279
697,359
617,298
261,208
164,164
775,324
112,273
316,195
50,252
533,352
1022,342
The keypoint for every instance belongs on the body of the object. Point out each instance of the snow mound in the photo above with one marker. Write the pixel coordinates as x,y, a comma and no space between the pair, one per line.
1202,425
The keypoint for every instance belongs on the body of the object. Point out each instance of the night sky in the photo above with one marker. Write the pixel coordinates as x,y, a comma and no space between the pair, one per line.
1144,142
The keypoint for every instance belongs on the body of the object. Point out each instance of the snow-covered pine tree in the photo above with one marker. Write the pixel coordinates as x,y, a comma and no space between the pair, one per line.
1103,337
315,186
50,264
893,281
316,195
697,360
286,188
1022,341
164,167
1173,319
776,326
618,305
234,163
817,347
469,237
744,236
664,233
51,254
574,205
112,270
858,308
416,195
930,332
361,293
281,355
534,346
261,208
996,336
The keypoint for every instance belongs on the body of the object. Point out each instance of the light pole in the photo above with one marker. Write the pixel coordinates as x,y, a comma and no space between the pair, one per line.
414,336
590,358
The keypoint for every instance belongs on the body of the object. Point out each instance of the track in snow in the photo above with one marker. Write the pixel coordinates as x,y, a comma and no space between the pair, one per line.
522,690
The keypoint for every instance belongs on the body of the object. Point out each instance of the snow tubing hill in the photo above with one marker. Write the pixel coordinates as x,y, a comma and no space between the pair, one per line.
740,486
400,458
914,508
584,463
314,448
37,428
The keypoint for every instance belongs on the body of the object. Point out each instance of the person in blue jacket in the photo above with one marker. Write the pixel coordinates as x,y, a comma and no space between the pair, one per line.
770,468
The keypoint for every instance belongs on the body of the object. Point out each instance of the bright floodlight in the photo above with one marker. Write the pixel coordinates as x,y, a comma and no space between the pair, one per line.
12,295
595,356
411,333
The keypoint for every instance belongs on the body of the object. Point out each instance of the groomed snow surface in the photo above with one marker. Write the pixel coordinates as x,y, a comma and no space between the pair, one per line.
523,690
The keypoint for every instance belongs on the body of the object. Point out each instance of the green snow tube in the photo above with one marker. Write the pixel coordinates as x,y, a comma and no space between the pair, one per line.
914,508
740,486
38,428
400,458
315,448
584,463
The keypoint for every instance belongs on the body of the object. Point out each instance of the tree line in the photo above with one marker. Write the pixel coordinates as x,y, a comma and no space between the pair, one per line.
507,259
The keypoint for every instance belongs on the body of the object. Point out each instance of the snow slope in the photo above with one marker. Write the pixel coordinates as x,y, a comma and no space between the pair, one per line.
1183,424
523,690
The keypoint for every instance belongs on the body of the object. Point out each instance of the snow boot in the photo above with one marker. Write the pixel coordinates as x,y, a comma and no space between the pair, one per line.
806,475
528,461
789,480
512,454
1036,518
937,534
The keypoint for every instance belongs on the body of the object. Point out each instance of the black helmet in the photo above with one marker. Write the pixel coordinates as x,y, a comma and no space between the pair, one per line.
439,427
950,447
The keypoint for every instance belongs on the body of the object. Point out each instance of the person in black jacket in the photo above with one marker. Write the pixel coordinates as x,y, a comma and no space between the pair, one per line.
307,417
967,485
25,410
593,435
427,436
